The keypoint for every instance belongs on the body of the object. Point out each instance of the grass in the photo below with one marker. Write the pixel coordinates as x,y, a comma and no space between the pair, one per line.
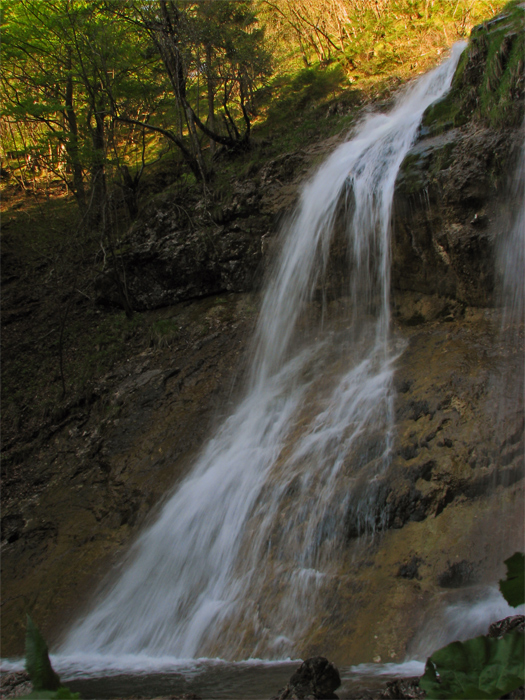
486,85
164,332
33,225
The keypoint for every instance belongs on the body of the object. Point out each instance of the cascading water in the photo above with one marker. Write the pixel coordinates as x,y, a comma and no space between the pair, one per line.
511,249
234,562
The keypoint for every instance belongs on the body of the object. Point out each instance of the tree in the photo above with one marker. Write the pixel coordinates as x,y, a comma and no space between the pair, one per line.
211,52
62,59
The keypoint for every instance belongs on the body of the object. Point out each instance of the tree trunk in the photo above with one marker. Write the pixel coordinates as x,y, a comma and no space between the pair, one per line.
98,175
72,144
211,110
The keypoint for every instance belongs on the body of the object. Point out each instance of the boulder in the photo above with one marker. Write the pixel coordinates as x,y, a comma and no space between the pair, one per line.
403,688
499,629
315,678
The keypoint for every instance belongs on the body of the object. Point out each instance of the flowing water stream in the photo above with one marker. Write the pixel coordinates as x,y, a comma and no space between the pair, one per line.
235,563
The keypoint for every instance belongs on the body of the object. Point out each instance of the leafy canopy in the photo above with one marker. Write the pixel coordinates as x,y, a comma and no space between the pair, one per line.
46,683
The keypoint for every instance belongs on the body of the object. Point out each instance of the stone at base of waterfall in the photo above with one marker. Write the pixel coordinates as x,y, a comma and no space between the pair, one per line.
499,629
315,679
15,684
405,688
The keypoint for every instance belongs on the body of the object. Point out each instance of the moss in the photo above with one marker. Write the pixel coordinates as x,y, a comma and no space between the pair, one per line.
419,168
488,85
164,332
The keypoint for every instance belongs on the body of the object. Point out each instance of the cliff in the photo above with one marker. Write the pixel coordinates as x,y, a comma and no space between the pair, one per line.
78,487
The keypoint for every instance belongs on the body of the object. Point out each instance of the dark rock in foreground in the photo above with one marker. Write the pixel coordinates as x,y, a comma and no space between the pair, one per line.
403,688
315,678
499,629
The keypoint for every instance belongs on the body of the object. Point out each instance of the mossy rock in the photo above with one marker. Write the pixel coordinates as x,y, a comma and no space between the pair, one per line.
489,83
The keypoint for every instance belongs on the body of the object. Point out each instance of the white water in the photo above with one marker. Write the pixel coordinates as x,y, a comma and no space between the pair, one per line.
235,561
510,251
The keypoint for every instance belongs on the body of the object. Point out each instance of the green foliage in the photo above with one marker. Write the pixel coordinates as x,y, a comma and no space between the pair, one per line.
80,93
372,37
59,85
478,668
304,91
513,587
46,682
487,82
482,667
61,694
164,332
499,92
310,85
37,660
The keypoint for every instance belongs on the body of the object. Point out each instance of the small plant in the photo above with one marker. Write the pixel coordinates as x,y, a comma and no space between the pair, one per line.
45,680
481,667
164,332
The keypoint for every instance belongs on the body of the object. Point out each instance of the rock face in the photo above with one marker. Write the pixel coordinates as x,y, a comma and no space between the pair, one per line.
403,689
448,213
450,190
499,629
94,476
15,685
315,678
76,495
185,246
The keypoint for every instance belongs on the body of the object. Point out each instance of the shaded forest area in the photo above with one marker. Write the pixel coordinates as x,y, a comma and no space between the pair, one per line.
107,103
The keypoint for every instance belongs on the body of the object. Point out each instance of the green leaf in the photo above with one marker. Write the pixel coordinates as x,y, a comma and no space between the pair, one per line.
478,668
513,587
64,693
37,660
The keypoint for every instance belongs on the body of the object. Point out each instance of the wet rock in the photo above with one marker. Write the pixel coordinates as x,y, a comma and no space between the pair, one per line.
15,685
101,473
181,265
447,218
499,629
403,688
457,575
442,244
410,570
315,678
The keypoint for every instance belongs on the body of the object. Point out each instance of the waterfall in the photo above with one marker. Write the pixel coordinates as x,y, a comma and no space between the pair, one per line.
510,252
238,556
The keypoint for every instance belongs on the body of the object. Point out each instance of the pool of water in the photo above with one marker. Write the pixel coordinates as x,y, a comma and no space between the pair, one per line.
210,679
